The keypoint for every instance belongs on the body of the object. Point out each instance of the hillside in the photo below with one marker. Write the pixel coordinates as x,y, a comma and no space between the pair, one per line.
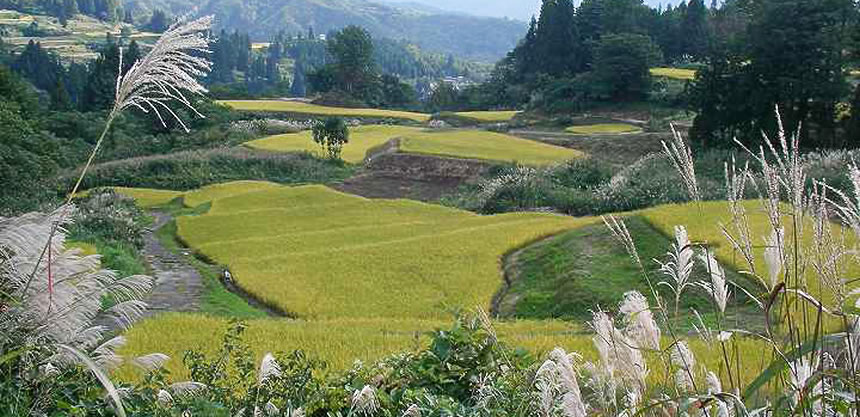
465,36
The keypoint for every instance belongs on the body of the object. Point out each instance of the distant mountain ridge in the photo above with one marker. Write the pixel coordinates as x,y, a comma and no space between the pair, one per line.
480,38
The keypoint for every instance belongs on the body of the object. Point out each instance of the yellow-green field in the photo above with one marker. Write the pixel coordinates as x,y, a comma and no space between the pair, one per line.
489,116
674,73
603,129
148,198
484,145
318,253
86,249
371,277
471,144
296,107
341,342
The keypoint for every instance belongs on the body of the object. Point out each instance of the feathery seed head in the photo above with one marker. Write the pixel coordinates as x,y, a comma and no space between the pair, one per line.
364,400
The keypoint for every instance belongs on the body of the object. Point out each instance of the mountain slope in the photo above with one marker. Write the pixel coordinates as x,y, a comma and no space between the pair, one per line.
461,35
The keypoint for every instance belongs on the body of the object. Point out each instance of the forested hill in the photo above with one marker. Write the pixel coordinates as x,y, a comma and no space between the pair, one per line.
465,36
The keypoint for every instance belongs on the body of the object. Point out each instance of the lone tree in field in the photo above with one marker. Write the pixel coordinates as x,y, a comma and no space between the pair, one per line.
331,134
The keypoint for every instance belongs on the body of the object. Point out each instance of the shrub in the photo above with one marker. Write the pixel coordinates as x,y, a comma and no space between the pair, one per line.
331,134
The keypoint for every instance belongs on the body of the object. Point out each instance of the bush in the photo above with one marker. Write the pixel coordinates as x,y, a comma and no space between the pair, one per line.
331,134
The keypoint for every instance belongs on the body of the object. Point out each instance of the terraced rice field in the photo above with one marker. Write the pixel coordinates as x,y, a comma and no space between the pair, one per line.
367,278
148,198
674,73
470,144
604,129
301,108
488,116
321,254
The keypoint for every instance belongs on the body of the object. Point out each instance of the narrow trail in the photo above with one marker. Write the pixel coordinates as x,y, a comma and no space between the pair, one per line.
178,285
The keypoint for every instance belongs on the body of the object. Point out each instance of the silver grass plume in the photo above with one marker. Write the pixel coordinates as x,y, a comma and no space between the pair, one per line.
641,327
680,265
364,401
678,151
717,287
269,368
682,357
618,356
773,257
412,411
170,69
741,236
622,235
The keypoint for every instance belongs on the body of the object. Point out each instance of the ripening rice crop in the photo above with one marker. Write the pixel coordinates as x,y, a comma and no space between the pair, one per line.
148,198
318,253
470,144
216,191
339,342
674,73
603,129
361,140
489,116
484,145
296,107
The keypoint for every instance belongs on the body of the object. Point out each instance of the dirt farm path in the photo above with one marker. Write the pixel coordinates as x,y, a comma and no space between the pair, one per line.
178,285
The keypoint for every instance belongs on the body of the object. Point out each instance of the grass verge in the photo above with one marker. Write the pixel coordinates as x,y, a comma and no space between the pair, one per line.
316,110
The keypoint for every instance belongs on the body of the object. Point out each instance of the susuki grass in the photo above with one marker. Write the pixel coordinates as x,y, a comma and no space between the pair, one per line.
300,108
471,144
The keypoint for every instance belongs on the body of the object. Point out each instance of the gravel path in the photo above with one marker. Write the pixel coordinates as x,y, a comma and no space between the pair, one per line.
178,285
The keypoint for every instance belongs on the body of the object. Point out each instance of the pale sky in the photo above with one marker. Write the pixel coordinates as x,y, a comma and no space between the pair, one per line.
515,9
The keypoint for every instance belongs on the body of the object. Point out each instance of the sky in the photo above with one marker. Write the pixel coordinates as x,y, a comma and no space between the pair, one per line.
515,9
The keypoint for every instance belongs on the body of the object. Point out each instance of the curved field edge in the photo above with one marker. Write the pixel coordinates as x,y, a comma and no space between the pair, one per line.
466,144
604,129
318,253
293,107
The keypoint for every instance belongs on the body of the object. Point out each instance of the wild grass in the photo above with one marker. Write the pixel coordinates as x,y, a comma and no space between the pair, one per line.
318,253
603,129
470,144
489,116
300,108
674,73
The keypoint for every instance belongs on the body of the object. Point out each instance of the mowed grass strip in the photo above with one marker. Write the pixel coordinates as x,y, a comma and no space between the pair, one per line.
321,254
317,110
469,144
341,342
489,116
604,129
484,145
674,73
